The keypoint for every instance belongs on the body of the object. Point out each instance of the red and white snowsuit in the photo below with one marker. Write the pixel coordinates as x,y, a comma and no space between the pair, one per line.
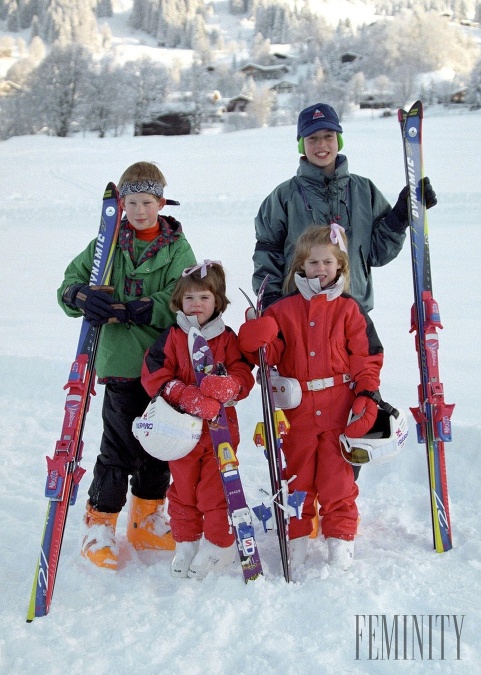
324,336
197,503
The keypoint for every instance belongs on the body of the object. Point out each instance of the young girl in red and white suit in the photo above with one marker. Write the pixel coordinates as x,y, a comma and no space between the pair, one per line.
197,504
320,336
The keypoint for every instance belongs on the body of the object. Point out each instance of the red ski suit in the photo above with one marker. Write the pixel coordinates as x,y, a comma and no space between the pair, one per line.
321,338
197,503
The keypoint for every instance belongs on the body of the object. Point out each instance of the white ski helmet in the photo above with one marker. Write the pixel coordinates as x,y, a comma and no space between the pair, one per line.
383,442
164,432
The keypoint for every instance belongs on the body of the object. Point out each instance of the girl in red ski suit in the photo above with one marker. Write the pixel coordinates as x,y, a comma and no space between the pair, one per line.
320,336
197,504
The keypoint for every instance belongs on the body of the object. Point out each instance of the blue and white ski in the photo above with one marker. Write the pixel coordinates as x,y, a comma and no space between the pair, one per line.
63,469
432,415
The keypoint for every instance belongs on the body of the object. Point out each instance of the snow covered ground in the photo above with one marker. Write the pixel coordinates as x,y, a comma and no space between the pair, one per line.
139,619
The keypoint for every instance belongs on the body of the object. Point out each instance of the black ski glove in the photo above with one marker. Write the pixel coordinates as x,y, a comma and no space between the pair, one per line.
429,195
96,302
135,311
397,219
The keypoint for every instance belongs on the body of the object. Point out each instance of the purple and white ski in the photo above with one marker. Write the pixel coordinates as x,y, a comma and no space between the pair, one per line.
238,511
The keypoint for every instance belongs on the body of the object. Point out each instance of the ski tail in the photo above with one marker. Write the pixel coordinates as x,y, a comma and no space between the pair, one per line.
432,415
63,469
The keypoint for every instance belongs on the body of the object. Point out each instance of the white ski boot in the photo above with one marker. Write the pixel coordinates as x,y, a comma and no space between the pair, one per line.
185,552
210,557
340,553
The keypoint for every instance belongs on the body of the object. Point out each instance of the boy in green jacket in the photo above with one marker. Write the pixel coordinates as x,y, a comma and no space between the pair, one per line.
151,253
324,192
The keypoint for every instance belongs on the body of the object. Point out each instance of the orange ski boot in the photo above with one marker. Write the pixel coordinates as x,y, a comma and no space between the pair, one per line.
148,526
99,545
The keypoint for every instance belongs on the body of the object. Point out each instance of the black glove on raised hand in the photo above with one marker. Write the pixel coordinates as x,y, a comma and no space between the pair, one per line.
429,195
397,219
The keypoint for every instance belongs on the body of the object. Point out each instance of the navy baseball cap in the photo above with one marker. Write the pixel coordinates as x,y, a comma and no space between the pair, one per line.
316,117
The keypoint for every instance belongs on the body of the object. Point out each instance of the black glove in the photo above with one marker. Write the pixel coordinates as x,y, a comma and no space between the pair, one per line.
139,311
99,307
135,311
96,302
429,194
397,219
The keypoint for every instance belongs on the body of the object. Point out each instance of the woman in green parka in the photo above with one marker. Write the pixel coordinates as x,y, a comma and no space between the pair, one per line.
324,192
151,254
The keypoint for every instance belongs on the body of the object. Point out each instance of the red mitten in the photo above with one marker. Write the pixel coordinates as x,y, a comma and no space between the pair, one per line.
364,410
257,333
173,391
194,402
221,387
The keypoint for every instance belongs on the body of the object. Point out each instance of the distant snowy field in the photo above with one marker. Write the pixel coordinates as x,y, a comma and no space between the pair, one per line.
141,620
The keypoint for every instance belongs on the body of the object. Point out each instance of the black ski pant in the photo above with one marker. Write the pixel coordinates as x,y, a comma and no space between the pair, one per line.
122,455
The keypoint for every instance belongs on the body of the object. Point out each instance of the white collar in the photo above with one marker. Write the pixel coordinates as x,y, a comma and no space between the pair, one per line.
209,330
308,288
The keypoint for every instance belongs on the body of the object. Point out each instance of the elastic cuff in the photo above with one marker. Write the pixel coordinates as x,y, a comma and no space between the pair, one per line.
70,293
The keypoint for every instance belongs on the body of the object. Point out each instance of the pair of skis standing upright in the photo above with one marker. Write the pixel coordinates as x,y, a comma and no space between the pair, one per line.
432,415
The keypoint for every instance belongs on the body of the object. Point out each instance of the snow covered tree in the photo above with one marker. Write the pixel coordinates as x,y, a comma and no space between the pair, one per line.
477,12
56,88
146,82
14,120
103,106
37,50
13,17
260,108
200,40
105,36
104,8
71,21
474,90
35,28
260,51
7,45
172,22
239,6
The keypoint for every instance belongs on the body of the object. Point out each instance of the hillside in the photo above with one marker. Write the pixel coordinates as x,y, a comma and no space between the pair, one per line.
229,71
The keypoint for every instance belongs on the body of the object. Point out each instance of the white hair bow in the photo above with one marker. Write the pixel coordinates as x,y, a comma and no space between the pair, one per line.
202,267
336,237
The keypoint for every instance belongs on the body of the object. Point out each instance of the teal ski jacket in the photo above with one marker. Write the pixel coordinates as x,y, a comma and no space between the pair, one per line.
374,232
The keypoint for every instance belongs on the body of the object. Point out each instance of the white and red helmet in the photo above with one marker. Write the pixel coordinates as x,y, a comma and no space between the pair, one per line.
164,432
382,443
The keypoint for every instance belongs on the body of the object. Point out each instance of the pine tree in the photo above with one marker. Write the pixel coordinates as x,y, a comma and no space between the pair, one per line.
71,21
13,17
104,8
